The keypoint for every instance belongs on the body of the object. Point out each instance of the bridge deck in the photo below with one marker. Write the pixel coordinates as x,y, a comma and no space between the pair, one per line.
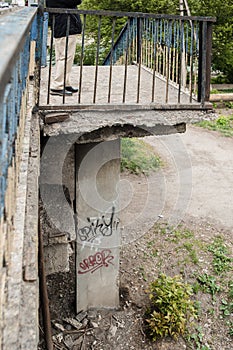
117,87
102,120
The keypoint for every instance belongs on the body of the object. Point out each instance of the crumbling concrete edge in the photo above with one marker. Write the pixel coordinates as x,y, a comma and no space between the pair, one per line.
121,122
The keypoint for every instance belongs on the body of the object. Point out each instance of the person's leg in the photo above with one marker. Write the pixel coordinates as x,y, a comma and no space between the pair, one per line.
60,54
70,57
58,81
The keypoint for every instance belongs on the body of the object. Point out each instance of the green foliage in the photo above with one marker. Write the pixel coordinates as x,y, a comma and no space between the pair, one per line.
171,308
89,54
219,79
221,260
179,234
229,104
208,284
226,307
222,32
93,22
223,124
150,6
192,252
196,339
138,157
230,325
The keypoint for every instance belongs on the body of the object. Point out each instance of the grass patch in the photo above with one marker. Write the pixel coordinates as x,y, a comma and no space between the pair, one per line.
138,157
206,266
223,124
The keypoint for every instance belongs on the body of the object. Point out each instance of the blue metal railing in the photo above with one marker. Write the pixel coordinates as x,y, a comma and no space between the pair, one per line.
161,45
16,35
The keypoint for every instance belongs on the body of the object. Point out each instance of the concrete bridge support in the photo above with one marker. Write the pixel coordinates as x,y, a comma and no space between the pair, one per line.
98,227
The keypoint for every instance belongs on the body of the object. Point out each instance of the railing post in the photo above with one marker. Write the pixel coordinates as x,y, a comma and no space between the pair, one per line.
208,59
202,62
139,42
40,22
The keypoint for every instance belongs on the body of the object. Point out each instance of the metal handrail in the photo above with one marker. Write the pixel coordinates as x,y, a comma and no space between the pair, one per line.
16,34
179,50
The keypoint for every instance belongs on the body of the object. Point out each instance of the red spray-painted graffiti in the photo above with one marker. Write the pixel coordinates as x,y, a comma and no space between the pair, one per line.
96,261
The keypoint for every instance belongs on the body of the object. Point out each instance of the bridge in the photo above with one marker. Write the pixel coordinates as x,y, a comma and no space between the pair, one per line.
149,75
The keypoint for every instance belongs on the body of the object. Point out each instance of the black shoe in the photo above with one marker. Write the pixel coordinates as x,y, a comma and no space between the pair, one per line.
60,92
71,89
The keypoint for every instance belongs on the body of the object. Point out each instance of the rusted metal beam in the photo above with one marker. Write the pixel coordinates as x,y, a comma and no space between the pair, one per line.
132,14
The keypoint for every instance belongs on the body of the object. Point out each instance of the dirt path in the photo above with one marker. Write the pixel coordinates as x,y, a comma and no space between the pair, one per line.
194,183
200,177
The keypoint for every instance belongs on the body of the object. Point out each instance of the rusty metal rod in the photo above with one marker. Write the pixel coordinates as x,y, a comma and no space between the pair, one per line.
44,293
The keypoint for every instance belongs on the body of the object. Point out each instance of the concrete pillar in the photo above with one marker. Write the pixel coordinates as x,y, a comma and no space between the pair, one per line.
98,228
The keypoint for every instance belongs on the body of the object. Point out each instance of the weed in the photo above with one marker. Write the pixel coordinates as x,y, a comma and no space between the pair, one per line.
214,91
226,307
192,252
143,273
172,307
223,124
230,291
208,284
150,244
221,262
178,235
230,325
229,104
196,287
196,339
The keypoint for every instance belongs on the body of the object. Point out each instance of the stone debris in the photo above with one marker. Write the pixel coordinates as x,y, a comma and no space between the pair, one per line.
73,322
81,315
68,341
59,326
113,330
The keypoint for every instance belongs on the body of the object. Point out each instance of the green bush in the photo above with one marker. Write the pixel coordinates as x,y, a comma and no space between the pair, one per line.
171,308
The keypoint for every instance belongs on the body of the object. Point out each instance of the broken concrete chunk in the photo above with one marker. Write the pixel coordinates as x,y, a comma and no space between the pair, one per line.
73,322
81,315
59,326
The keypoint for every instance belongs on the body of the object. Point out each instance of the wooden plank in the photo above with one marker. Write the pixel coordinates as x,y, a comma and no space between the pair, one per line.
56,117
30,250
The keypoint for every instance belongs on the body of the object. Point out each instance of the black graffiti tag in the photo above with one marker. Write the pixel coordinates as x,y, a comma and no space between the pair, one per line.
98,227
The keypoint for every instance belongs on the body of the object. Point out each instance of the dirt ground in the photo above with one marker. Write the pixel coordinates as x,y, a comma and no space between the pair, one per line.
170,219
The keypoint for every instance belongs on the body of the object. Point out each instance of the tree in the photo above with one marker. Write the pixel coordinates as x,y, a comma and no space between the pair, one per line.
222,59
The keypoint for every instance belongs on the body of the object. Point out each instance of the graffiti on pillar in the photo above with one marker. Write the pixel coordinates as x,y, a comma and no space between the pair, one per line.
98,227
96,261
